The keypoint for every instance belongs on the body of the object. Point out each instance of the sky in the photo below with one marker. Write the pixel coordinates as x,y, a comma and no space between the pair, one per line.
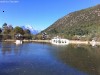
40,14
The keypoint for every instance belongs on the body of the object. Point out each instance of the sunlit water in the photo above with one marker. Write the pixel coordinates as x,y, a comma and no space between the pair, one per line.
47,59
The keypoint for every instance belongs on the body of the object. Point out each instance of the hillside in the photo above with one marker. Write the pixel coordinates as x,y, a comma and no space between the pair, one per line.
84,22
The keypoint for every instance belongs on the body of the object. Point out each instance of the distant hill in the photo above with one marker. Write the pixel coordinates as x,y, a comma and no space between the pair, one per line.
85,22
33,31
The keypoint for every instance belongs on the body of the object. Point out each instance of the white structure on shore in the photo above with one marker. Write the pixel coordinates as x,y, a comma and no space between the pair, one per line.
93,42
59,41
18,42
18,38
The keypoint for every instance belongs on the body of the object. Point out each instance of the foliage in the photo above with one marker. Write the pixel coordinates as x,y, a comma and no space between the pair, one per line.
4,26
9,32
0,30
18,30
27,31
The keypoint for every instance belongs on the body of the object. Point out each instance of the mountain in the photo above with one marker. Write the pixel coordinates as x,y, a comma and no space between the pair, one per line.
85,22
33,31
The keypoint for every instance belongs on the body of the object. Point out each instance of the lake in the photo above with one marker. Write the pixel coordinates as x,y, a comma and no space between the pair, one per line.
47,59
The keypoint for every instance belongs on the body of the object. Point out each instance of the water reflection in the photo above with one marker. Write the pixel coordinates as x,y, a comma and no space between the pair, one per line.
46,59
8,48
85,58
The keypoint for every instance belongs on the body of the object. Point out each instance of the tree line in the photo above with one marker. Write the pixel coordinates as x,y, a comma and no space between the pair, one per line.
9,32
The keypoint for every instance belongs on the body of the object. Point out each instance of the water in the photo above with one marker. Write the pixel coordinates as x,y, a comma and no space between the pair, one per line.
47,59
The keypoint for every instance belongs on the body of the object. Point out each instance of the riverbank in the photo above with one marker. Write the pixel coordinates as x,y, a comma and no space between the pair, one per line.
41,41
49,41
78,42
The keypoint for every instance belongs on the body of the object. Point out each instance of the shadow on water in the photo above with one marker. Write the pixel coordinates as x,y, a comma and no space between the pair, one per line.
84,58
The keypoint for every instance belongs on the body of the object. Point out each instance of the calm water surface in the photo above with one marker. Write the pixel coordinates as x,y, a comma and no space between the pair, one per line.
47,59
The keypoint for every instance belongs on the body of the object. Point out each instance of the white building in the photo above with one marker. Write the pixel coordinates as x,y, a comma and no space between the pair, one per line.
59,41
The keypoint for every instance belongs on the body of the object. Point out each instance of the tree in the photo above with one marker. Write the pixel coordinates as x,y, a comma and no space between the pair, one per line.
10,27
27,34
4,26
6,31
27,31
54,31
0,30
0,33
18,30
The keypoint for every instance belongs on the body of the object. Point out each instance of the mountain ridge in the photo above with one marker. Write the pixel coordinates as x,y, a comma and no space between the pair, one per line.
33,31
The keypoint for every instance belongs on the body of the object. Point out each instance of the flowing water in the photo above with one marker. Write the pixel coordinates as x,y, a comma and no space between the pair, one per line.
47,59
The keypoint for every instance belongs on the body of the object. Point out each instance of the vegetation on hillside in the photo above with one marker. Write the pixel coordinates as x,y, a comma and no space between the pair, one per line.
83,24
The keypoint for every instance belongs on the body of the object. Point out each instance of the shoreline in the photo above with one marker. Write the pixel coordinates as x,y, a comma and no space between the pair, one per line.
41,41
49,41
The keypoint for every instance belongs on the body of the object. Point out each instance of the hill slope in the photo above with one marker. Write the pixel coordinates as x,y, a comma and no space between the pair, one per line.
83,22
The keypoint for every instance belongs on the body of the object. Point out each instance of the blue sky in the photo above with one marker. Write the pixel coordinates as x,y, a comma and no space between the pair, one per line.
39,13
